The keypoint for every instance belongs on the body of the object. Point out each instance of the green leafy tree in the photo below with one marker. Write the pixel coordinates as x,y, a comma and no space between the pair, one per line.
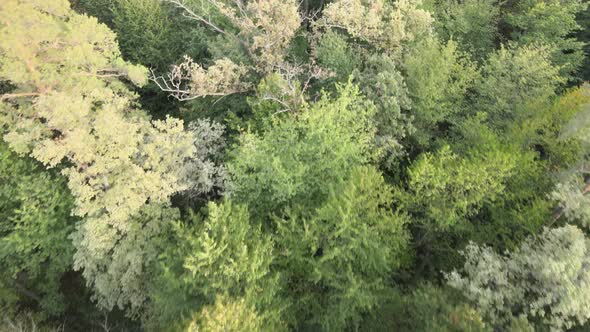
523,205
425,308
572,188
227,315
149,32
551,130
101,9
153,34
514,78
330,215
549,22
449,195
334,52
445,188
379,78
473,24
462,103
35,223
295,161
583,35
438,77
382,83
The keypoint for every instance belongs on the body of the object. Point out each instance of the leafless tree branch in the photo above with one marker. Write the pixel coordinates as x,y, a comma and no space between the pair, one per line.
18,95
188,13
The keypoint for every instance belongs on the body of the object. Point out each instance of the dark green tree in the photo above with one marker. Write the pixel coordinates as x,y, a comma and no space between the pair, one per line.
35,228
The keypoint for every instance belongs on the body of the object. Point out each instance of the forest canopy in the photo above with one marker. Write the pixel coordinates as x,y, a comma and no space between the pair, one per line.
287,165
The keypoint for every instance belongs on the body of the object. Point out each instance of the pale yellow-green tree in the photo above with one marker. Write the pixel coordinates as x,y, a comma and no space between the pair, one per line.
378,22
226,315
69,106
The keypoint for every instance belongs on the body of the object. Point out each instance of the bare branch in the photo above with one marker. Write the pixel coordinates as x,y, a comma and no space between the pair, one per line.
277,100
18,95
23,290
281,111
289,91
240,5
188,13
189,80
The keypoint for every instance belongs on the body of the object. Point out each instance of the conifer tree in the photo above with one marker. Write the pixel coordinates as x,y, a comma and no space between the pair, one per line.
337,257
214,259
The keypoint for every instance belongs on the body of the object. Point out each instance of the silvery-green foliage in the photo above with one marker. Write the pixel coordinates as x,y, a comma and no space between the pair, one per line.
384,25
556,272
572,198
571,190
203,171
547,280
579,126
486,282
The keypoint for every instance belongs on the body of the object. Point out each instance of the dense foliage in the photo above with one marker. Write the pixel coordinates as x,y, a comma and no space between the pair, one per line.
278,165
